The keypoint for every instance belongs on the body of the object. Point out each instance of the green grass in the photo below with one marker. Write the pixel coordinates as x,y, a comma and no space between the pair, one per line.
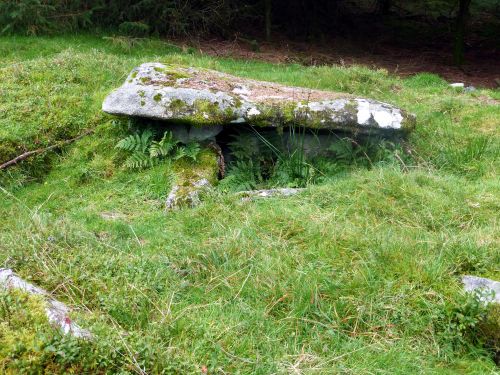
357,275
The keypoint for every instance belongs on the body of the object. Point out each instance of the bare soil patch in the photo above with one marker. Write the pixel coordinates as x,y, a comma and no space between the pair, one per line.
482,67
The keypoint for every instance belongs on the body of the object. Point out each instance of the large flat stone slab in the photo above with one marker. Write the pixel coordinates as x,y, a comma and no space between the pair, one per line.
206,97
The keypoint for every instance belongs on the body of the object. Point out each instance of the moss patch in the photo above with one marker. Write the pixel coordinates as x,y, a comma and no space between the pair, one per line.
157,97
172,72
26,338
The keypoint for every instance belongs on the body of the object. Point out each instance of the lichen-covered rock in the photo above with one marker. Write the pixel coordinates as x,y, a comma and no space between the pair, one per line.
207,97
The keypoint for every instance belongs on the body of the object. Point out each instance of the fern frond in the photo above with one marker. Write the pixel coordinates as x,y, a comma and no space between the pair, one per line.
138,160
136,142
245,175
342,149
146,138
156,150
179,153
192,150
164,147
244,146
128,143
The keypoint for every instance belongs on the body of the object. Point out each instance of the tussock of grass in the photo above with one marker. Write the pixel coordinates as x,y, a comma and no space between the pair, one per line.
360,274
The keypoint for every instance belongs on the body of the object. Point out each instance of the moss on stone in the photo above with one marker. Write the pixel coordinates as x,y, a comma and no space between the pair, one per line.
409,122
177,106
157,97
26,316
289,112
172,72
237,102
206,112
188,171
351,107
29,344
270,116
189,174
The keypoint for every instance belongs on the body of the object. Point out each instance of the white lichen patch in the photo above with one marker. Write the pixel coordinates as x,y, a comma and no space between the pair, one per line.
269,193
253,112
327,105
378,114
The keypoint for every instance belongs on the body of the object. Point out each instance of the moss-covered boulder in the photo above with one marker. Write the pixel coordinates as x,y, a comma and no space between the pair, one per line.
204,97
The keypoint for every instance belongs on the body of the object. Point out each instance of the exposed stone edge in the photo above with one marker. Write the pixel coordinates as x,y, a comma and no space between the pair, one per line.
56,311
268,193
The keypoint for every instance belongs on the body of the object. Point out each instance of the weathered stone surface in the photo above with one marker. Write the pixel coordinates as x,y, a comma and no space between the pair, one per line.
207,97
57,312
186,133
490,289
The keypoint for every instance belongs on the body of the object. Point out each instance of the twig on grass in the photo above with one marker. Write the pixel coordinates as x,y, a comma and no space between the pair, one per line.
39,151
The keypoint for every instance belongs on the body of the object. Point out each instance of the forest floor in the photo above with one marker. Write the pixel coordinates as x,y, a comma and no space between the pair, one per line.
360,273
481,68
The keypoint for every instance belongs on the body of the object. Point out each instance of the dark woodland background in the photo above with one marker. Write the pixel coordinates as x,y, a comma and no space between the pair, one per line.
454,25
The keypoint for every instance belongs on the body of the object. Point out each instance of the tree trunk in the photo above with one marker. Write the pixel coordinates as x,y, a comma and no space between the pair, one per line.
268,19
460,29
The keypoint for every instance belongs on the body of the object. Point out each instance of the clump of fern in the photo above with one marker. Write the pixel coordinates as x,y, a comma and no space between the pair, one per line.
266,159
144,151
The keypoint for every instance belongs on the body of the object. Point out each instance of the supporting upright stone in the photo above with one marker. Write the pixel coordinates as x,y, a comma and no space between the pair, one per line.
192,180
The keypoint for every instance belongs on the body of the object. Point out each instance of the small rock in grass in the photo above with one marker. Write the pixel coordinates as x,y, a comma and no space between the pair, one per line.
268,193
489,289
56,311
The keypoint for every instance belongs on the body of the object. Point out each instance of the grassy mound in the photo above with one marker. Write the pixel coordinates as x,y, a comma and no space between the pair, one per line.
359,274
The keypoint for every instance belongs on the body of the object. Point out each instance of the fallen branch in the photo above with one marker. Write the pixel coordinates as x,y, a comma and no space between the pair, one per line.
27,154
